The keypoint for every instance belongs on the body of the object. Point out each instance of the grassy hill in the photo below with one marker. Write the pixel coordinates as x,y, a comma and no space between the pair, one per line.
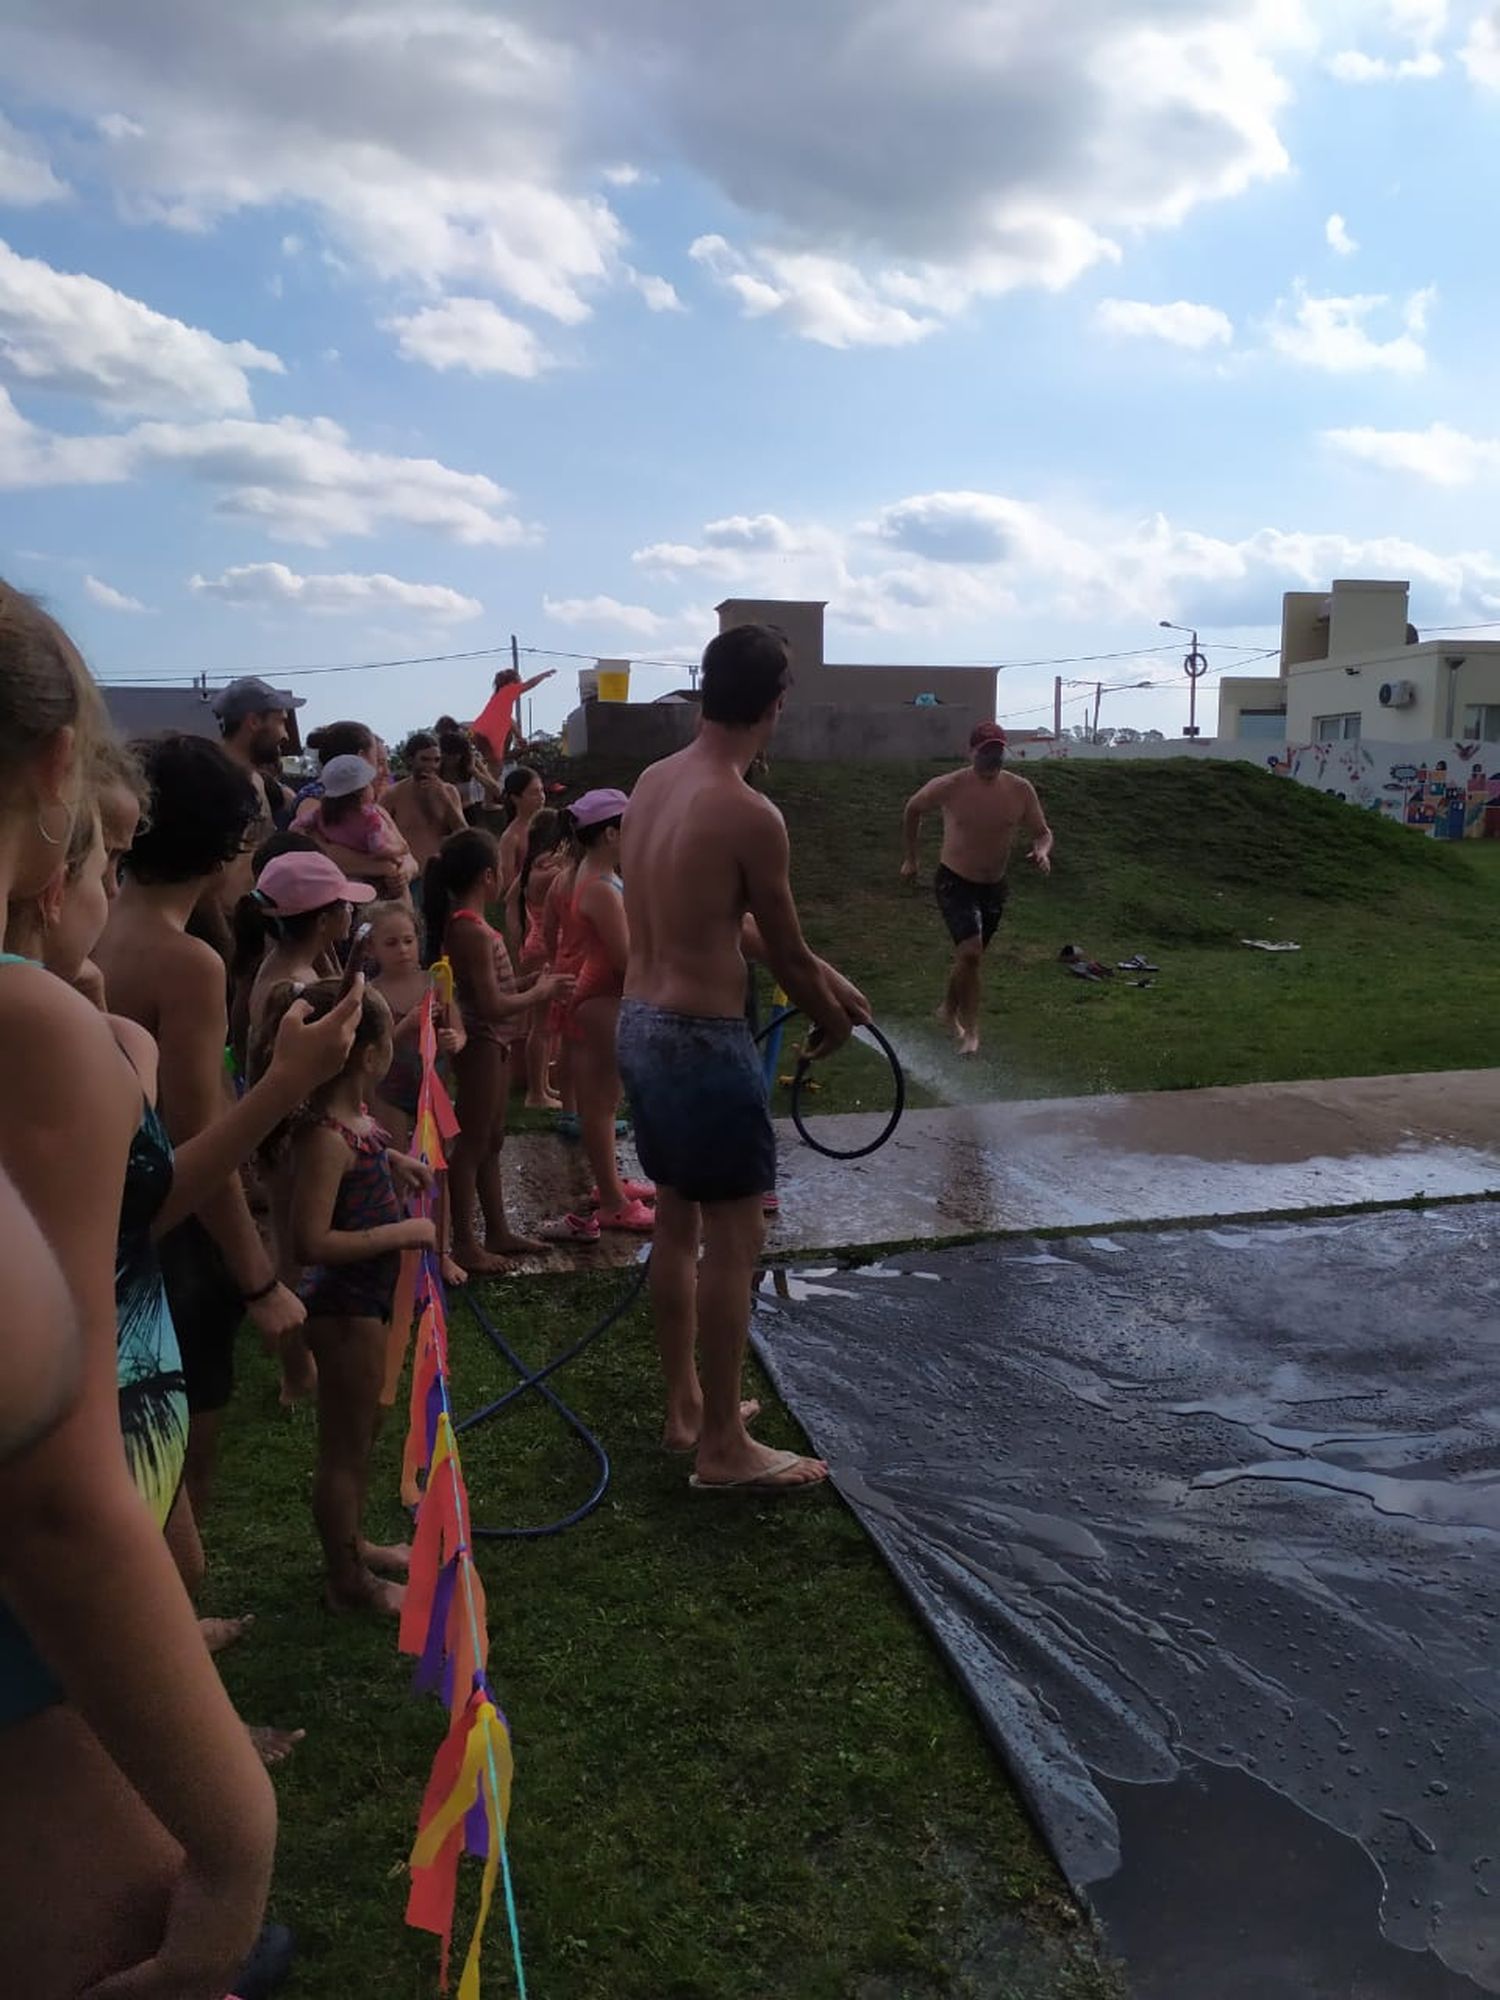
1399,967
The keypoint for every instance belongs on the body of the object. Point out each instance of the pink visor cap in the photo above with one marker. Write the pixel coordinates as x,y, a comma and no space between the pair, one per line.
293,884
596,807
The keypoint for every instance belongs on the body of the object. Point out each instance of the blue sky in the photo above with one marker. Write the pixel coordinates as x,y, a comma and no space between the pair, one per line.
333,333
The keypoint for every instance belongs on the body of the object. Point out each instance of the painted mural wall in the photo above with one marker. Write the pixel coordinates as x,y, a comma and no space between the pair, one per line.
1442,789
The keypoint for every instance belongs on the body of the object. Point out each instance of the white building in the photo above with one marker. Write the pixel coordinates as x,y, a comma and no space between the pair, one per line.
1353,666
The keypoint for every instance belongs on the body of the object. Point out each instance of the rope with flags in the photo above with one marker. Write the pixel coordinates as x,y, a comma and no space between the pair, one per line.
466,1806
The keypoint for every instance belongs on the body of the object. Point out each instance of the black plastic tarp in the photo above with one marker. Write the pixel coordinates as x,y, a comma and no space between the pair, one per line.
1215,1508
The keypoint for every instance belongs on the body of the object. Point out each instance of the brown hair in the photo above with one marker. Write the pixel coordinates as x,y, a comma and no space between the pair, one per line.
44,686
321,997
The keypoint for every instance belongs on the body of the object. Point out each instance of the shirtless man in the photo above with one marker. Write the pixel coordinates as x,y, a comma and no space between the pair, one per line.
984,807
705,863
424,806
253,722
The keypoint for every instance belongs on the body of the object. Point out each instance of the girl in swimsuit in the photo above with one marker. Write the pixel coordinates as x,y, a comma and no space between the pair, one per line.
401,981
599,918
136,1821
461,882
545,857
349,1229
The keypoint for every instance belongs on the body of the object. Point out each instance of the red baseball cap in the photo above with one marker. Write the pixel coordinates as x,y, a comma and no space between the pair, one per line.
986,732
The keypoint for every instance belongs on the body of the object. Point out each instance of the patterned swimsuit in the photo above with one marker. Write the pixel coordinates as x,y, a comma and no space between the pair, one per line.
148,1371
515,1027
366,1199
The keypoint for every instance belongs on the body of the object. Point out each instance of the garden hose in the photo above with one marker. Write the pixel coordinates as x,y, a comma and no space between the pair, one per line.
538,1379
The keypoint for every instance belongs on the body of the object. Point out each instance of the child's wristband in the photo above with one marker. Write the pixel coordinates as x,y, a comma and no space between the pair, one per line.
254,1298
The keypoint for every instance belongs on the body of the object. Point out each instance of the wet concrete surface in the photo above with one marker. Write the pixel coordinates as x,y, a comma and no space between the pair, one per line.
1206,1523
1094,1162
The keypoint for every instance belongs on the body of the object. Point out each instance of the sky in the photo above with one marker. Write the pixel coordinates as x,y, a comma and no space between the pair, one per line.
335,334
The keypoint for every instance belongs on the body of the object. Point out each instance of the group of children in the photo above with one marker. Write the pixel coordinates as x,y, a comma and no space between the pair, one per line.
201,1017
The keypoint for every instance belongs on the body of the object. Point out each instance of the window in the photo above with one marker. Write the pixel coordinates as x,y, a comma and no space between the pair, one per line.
1482,719
1335,728
1269,723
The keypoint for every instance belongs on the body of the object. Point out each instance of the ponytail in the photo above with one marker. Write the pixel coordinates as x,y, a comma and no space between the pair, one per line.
548,832
321,997
453,870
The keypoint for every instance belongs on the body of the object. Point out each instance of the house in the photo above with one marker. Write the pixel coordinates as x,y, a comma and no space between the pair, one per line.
1353,666
834,713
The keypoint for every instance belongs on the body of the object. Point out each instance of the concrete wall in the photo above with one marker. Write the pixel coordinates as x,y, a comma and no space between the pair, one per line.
1366,617
819,682
1439,787
1443,690
817,733
1237,692
1170,746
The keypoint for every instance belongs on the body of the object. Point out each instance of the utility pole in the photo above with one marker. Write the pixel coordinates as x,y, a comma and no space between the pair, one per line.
1057,709
1195,666
515,655
1098,702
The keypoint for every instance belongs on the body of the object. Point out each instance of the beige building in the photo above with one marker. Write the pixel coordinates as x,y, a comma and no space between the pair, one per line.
1353,666
834,713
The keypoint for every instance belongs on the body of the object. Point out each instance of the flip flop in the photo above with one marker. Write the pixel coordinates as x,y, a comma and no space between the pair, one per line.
634,1218
643,1191
767,1484
571,1229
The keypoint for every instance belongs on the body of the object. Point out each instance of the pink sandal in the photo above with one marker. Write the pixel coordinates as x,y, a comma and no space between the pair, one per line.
643,1191
634,1217
571,1229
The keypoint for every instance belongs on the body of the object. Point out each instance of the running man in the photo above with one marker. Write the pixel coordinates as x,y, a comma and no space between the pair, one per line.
984,807
705,862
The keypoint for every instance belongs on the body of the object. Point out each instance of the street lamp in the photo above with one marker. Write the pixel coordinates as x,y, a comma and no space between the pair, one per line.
1195,666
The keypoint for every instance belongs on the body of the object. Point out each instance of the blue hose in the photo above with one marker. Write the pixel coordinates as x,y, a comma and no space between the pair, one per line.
537,1379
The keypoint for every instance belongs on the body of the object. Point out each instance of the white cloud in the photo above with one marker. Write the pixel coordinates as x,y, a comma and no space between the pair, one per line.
1333,334
607,611
1439,455
898,162
109,597
75,334
931,561
472,334
1336,235
660,294
1412,27
1182,323
26,180
1481,52
1354,66
272,586
300,479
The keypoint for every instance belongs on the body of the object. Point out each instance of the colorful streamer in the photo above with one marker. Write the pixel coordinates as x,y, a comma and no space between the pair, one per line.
466,1806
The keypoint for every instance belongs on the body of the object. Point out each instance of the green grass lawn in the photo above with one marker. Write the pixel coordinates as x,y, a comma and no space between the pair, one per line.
1399,968
742,1772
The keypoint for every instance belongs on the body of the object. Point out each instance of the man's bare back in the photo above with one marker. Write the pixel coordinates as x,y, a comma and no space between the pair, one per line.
982,817
692,819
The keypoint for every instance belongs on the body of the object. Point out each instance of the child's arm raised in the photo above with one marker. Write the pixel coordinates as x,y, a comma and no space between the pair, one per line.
322,1159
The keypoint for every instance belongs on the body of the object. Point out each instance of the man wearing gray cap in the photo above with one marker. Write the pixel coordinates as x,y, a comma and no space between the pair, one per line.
253,721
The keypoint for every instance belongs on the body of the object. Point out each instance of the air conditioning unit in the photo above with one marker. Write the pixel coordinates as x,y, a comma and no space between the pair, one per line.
1397,694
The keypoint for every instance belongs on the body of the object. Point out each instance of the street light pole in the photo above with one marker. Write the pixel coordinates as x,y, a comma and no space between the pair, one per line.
1195,666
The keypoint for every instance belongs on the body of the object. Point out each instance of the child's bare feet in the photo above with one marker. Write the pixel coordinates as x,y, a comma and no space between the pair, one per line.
273,1746
453,1274
548,1103
479,1263
511,1243
364,1591
221,1632
391,1559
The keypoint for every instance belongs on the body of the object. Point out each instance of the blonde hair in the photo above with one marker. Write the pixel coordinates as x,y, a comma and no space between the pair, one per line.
44,687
